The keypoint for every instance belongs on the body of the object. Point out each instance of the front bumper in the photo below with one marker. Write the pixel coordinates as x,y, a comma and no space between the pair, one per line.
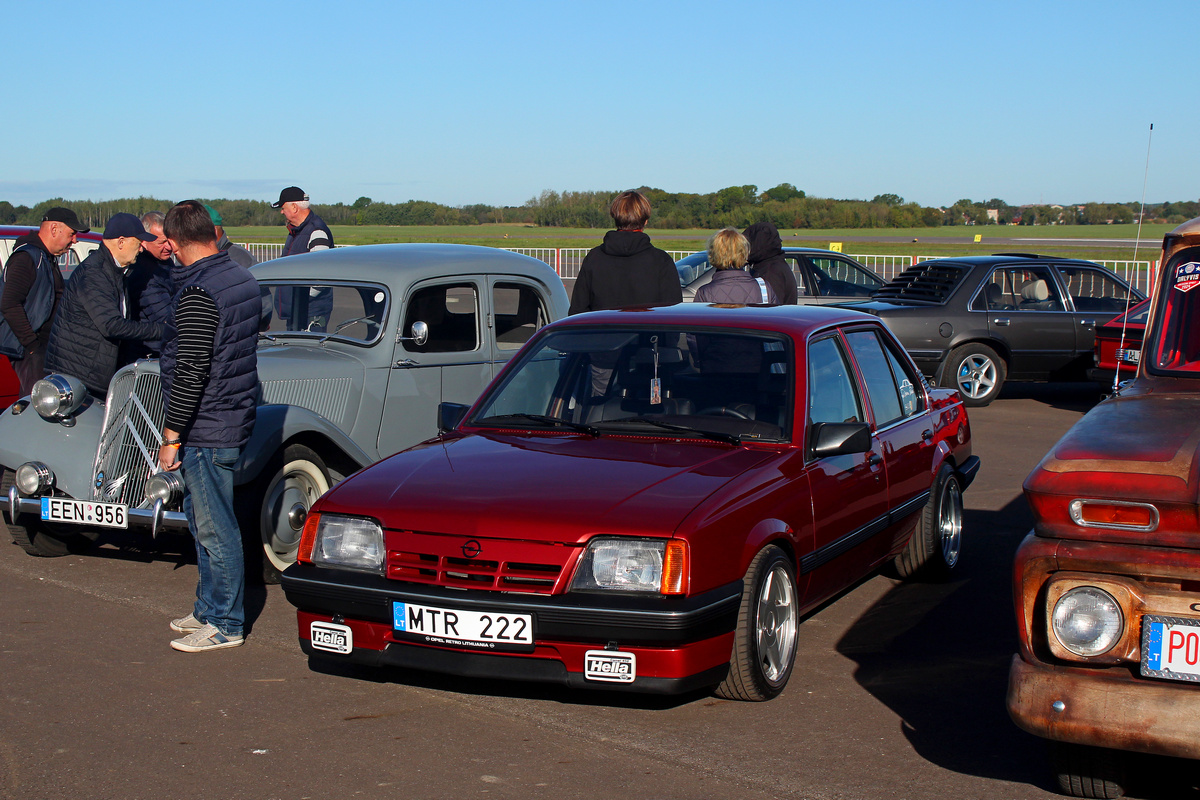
153,519
680,643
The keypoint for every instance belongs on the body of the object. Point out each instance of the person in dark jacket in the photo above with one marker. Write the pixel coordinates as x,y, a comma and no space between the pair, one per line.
307,233
626,270
727,252
767,261
33,287
92,319
148,284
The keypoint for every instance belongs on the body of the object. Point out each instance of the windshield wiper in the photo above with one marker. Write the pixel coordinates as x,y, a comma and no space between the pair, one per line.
566,423
716,436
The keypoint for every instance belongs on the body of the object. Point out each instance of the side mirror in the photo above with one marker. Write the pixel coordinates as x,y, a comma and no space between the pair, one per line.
840,438
449,414
420,334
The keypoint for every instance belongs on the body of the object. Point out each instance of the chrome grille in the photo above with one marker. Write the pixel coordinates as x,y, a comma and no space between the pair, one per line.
133,422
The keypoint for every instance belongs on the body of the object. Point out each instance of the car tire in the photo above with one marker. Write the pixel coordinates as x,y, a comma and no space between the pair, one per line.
764,644
272,512
976,372
1085,771
41,539
934,549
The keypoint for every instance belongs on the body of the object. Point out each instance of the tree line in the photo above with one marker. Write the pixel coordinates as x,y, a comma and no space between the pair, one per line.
736,206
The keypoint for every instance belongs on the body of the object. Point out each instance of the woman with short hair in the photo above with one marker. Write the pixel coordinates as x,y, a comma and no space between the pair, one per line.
728,251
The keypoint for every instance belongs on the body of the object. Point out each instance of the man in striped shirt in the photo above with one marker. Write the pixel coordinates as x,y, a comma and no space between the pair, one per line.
210,386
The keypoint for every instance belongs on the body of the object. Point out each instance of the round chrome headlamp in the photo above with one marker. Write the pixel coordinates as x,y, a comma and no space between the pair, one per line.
58,396
33,478
1087,621
165,486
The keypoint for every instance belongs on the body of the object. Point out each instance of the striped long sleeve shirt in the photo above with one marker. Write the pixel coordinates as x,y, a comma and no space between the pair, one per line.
196,319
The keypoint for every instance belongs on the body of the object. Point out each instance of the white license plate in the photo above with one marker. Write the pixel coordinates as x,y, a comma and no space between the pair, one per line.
1171,647
84,512
331,637
482,630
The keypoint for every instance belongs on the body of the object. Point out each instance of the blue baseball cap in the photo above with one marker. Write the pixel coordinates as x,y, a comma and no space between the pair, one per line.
124,224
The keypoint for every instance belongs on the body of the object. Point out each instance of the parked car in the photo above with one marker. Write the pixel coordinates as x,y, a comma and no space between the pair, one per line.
648,500
84,244
1119,345
1107,585
363,344
972,323
822,276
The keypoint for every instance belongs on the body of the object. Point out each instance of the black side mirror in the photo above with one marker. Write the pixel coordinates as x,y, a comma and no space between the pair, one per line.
840,438
449,415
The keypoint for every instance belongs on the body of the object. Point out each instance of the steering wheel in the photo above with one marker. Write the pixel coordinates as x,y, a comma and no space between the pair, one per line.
725,411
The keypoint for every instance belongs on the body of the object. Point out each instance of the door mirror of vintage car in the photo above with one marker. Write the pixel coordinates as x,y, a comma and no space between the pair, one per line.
449,414
420,333
840,438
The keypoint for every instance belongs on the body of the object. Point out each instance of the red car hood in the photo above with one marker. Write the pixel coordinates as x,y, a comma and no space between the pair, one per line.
542,488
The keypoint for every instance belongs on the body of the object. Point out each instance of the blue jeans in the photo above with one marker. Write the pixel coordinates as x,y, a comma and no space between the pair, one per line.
221,592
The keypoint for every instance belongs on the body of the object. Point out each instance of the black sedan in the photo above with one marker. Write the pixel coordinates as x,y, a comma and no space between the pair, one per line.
822,276
971,323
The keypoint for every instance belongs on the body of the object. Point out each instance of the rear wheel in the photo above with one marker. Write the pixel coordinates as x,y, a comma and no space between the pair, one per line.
1085,771
42,539
936,544
976,371
764,644
273,511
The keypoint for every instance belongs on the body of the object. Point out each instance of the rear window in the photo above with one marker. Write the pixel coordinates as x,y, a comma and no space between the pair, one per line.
1175,342
929,281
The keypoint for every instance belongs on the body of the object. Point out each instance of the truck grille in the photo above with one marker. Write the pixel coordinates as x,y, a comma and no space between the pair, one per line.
133,422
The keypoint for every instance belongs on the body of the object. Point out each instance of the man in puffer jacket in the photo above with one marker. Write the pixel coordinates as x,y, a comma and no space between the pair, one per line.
91,321
727,252
767,261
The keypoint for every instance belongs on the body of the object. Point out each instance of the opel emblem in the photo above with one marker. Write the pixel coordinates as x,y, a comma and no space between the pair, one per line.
471,548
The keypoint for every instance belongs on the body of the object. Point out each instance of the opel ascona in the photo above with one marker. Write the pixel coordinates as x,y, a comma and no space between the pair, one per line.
646,499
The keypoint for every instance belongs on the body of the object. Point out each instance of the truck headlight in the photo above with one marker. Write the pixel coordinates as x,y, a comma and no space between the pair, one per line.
1087,621
346,543
56,397
633,565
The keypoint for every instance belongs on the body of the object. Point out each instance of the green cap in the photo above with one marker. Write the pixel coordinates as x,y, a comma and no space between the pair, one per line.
214,215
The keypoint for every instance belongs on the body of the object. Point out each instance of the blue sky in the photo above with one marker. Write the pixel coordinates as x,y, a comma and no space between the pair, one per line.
489,102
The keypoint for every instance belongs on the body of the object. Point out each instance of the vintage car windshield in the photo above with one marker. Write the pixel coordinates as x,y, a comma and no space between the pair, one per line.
353,312
722,384
1176,339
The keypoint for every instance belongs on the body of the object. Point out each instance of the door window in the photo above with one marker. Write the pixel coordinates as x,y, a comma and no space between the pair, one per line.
1094,290
836,277
891,388
451,311
518,313
831,393
1019,289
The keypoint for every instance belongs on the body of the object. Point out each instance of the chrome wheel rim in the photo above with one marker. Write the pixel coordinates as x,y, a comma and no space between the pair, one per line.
950,514
976,376
775,629
286,504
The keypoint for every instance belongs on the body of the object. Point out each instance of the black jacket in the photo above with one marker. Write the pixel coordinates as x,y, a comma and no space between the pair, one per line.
627,270
29,292
90,323
767,261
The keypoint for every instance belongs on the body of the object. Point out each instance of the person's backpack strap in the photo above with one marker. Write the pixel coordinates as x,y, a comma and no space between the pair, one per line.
762,285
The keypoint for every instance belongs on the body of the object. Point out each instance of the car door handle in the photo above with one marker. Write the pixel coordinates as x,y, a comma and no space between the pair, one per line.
1088,323
405,362
926,435
874,459
1002,322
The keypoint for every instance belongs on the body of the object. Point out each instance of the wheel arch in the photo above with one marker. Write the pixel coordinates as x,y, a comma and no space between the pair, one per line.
278,426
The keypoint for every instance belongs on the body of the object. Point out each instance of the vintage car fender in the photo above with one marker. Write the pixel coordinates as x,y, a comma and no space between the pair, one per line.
277,425
70,452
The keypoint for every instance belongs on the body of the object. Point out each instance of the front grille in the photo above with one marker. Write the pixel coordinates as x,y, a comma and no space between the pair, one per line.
478,573
133,421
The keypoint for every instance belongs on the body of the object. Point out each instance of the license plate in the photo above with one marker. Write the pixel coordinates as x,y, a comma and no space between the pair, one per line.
331,637
1171,648
83,512
479,630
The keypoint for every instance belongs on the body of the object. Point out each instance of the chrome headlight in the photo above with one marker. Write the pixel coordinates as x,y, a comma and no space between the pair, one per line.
348,543
33,478
1087,621
58,396
633,565
165,486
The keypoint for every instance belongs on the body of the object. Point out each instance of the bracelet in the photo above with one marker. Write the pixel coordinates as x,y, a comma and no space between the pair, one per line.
176,443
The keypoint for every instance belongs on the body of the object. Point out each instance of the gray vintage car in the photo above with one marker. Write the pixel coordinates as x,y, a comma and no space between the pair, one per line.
362,345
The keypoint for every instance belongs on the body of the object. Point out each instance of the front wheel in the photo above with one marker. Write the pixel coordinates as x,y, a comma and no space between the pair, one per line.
43,539
764,644
936,544
274,510
976,371
1084,771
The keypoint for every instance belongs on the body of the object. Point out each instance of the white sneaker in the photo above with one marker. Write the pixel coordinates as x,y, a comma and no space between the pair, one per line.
207,638
188,624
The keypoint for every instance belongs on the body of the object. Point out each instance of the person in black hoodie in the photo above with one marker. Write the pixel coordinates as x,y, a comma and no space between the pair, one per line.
627,270
767,261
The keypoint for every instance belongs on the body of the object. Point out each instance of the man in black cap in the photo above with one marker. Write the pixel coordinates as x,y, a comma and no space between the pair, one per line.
306,231
93,318
32,287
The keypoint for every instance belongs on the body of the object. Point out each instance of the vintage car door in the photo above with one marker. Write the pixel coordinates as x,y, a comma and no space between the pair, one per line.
453,365
1025,310
517,309
849,492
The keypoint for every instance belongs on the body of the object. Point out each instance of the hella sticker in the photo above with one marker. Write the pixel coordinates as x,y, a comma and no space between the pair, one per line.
1187,276
610,666
331,638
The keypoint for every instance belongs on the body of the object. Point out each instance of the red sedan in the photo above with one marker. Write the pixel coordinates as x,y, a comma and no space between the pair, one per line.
648,500
1119,345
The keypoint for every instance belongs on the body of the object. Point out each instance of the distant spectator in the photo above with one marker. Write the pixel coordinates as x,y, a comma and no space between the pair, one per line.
727,252
626,270
306,231
32,289
767,261
92,319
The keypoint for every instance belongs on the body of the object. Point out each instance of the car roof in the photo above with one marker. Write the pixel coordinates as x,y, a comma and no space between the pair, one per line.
799,321
17,231
381,263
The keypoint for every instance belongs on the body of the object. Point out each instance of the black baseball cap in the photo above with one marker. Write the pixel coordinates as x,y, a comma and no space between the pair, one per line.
292,194
124,224
66,216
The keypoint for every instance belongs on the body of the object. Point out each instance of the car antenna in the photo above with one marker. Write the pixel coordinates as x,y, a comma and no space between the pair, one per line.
1137,239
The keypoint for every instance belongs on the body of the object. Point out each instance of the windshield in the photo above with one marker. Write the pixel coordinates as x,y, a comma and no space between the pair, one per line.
720,384
1176,339
355,313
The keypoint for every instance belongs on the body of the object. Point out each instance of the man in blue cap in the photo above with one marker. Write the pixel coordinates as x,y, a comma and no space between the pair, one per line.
93,318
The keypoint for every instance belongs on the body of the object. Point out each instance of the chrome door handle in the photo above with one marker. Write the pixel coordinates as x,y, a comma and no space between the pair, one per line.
405,362
1002,322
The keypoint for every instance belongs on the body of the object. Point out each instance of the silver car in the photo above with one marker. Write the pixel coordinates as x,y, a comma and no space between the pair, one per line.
362,345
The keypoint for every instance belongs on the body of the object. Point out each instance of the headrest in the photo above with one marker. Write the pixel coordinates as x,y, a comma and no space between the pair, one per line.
1035,290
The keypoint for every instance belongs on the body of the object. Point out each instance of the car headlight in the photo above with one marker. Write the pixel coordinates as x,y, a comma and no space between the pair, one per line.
1087,621
633,565
346,543
56,397
165,486
33,478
